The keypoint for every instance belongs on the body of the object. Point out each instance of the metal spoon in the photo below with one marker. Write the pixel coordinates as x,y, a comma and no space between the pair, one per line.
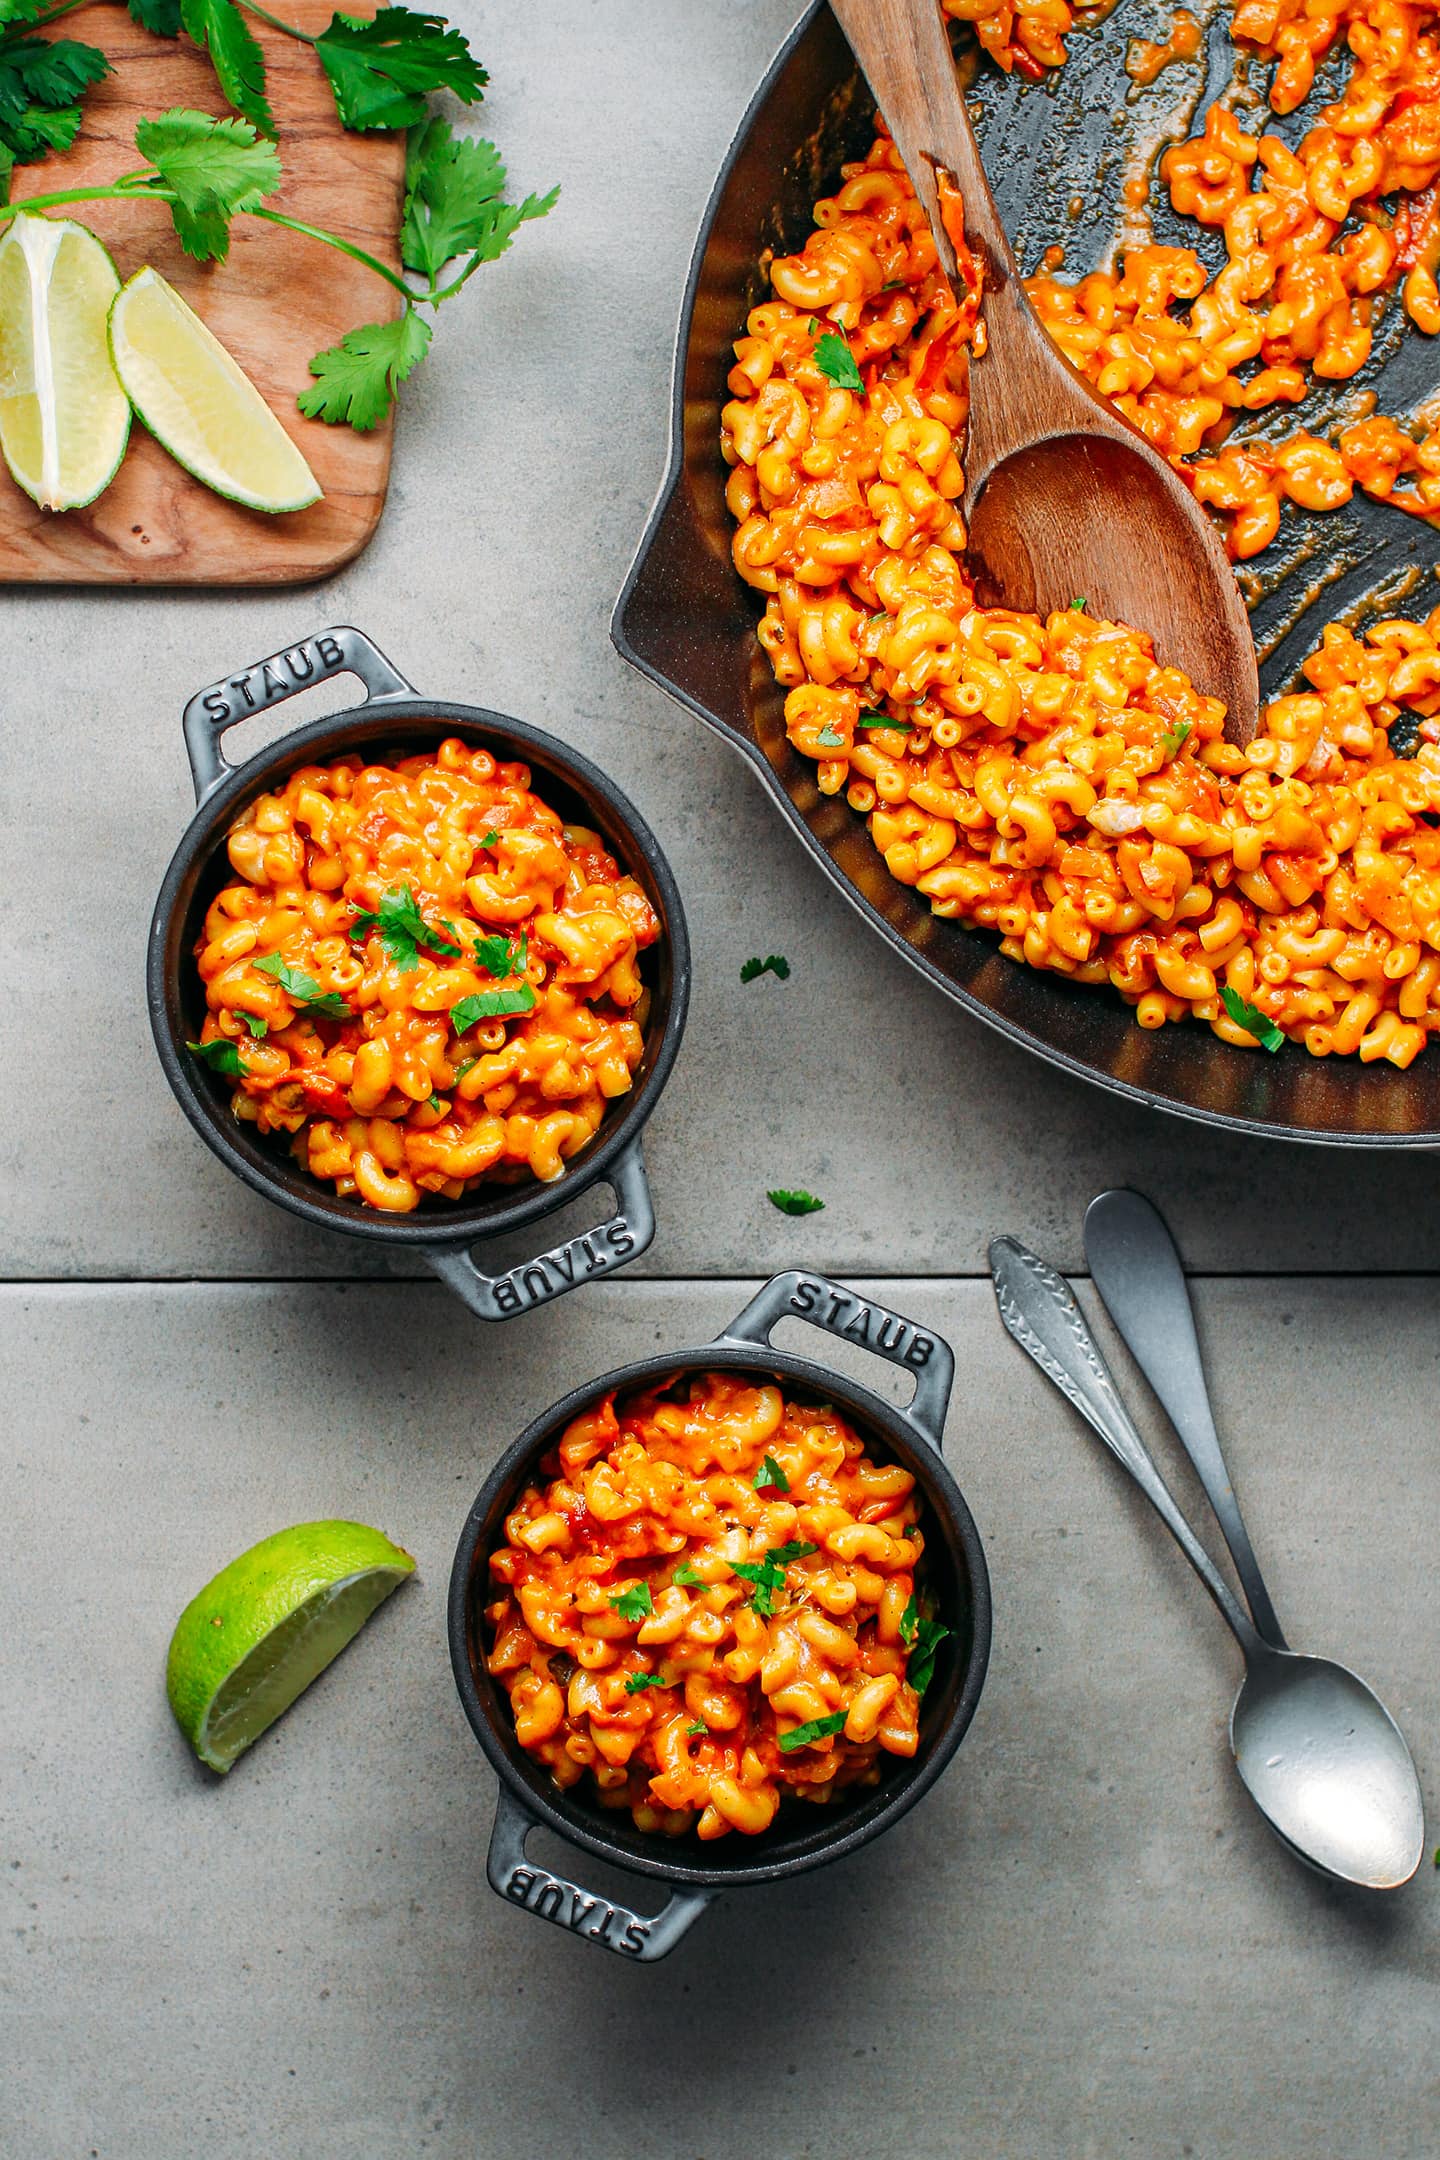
1320,1756
1062,495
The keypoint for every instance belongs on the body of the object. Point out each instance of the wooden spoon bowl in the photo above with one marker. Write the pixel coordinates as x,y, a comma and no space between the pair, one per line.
1064,499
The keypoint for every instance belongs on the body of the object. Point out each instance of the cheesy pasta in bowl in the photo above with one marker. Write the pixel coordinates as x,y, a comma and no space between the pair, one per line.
419,972
1039,814
721,1615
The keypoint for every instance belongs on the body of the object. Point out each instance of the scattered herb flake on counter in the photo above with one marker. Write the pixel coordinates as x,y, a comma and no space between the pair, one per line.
820,1728
770,1477
634,1602
1174,739
1250,1017
773,964
303,988
883,720
402,929
929,1635
639,1681
794,1203
835,360
220,1055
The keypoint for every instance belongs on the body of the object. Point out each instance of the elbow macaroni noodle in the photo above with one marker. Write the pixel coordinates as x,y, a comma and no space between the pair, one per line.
657,1490
390,1094
1051,780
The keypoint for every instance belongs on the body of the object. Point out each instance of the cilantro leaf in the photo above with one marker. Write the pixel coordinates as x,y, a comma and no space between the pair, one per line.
382,70
462,1068
402,929
794,1203
491,1005
1078,607
835,360
218,27
639,1681
634,1601
455,201
1250,1017
33,137
356,380
701,1727
220,1055
796,1549
48,72
910,1618
883,720
687,1578
258,1028
303,988
920,1671
831,739
499,957
162,17
765,1578
770,1477
489,839
820,1728
1174,738
214,168
773,964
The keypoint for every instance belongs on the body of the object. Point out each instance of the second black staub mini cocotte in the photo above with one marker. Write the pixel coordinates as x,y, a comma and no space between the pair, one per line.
395,720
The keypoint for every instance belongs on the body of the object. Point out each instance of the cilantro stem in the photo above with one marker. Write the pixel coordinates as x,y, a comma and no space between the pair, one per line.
114,193
253,7
318,232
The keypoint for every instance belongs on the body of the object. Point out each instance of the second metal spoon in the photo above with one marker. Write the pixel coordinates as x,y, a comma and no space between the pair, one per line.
1318,1752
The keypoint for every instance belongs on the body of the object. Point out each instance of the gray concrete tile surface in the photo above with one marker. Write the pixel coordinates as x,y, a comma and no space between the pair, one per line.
529,449
1082,1944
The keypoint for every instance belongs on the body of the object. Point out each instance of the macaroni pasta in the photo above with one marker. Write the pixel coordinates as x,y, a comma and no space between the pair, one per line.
1051,780
709,1607
423,975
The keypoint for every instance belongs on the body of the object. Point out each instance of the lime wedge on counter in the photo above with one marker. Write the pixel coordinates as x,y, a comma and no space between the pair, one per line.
64,419
199,402
258,1634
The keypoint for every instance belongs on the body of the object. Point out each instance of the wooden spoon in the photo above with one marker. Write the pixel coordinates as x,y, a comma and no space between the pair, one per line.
1063,496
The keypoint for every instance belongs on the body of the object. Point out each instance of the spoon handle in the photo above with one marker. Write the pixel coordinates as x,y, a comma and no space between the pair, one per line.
904,52
1137,1271
1039,1310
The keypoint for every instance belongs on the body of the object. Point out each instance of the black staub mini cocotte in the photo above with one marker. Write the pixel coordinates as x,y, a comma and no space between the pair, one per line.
800,1837
395,720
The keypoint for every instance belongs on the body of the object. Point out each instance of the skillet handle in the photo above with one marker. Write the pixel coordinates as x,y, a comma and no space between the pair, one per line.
554,1897
269,682
851,1318
600,1251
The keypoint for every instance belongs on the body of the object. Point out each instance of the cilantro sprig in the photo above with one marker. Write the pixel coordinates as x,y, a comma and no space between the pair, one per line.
639,1681
820,1728
773,964
766,1577
883,720
770,1477
924,1635
403,929
303,988
1248,1016
633,1601
1174,739
837,363
220,1055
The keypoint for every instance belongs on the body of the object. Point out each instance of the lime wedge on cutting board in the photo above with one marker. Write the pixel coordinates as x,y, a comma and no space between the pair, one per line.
64,419
199,402
255,1637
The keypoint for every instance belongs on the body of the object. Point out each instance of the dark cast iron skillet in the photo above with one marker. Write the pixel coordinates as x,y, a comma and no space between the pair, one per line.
395,720
801,1836
687,620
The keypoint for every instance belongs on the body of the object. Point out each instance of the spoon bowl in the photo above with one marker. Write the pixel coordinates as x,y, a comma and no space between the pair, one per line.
1064,498
1328,1768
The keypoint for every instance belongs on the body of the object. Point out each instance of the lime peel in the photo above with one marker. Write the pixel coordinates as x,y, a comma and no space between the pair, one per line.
269,1624
64,419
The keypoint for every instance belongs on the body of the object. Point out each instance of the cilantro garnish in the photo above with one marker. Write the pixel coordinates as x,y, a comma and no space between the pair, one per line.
794,1203
491,1005
773,964
1174,738
489,839
820,1728
639,1681
701,1727
402,929
499,957
687,1578
830,738
303,988
883,720
1250,1017
435,1103
920,1671
634,1601
257,1027
1078,607
462,1068
770,1477
909,1618
220,1055
382,70
835,360
765,1578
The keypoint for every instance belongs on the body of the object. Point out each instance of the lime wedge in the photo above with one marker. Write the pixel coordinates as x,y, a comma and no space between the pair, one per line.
258,1634
64,419
199,402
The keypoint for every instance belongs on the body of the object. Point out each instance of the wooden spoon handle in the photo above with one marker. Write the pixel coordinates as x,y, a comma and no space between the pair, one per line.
902,47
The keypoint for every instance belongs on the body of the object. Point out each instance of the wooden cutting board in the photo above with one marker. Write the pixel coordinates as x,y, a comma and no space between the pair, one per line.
277,300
